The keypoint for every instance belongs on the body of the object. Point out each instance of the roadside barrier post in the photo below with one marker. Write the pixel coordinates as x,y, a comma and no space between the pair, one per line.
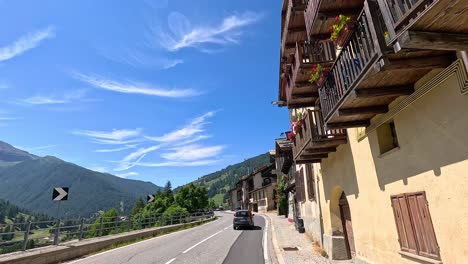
81,229
57,232
101,222
26,235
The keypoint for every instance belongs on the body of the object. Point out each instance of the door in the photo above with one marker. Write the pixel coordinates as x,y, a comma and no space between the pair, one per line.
255,208
347,226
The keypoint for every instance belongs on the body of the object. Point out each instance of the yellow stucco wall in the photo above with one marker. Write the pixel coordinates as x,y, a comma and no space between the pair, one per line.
433,153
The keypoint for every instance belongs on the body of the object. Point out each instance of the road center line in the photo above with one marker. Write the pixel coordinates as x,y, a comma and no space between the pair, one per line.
192,247
170,261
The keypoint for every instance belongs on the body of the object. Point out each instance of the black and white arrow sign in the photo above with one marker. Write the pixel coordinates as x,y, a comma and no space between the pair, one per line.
60,194
150,198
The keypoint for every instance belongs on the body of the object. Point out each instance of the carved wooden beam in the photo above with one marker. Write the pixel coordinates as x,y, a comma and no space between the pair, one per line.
350,124
384,91
378,109
434,41
319,150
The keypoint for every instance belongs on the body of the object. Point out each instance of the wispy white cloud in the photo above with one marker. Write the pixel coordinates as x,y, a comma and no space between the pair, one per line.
40,148
133,87
194,127
192,153
98,169
25,43
42,100
178,163
130,160
53,100
139,57
4,86
114,137
167,64
183,35
3,118
116,150
126,175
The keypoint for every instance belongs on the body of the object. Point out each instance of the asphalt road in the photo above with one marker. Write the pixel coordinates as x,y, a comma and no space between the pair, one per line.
213,243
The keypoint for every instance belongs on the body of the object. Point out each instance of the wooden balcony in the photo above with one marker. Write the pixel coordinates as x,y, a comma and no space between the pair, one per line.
283,155
320,15
300,92
426,24
367,76
313,142
293,26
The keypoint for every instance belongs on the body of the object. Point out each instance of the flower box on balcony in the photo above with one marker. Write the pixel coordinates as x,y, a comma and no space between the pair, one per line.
341,30
322,78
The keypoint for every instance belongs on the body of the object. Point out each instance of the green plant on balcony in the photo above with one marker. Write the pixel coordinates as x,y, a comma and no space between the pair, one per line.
319,74
316,71
297,121
341,29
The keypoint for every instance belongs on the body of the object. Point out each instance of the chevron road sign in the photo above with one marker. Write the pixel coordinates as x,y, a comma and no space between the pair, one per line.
60,194
150,198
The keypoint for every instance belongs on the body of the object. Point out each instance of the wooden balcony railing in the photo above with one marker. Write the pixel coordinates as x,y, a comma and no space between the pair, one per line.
402,11
294,21
314,137
364,47
310,13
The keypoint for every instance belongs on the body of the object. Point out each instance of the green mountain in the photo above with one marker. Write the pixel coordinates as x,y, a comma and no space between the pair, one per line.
218,183
28,183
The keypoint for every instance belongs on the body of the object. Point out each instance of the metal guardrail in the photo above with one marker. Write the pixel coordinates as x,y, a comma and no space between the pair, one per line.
39,234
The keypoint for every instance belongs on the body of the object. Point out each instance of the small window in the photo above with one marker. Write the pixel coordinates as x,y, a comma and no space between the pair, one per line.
414,225
387,137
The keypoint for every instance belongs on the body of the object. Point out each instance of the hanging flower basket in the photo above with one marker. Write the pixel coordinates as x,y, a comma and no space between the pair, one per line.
342,30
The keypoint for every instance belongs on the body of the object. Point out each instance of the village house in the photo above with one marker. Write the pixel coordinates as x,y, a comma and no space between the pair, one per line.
378,127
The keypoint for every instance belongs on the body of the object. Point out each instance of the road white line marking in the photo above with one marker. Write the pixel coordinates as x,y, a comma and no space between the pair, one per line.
227,227
192,247
170,261
141,242
265,241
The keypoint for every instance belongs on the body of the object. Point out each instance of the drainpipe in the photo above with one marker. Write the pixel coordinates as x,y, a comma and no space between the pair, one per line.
464,56
320,211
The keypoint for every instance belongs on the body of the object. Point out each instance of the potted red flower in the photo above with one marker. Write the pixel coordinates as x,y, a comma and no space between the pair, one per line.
297,122
319,75
290,136
341,30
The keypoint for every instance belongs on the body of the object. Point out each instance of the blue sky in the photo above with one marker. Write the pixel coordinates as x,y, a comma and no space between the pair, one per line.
145,89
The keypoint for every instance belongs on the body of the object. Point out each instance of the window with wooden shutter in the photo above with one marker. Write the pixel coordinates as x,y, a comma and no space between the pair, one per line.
414,224
300,192
310,181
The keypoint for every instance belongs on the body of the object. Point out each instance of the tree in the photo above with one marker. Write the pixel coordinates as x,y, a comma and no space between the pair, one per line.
192,197
211,204
168,192
139,205
108,218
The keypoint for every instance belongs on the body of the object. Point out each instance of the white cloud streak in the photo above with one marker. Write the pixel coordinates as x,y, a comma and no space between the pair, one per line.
115,150
25,43
177,163
183,36
130,160
194,127
52,100
126,175
192,153
134,87
115,137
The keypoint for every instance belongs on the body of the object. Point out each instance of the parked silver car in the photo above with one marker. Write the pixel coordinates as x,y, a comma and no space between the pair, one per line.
243,218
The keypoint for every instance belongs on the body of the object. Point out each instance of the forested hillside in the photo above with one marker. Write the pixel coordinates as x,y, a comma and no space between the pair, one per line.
218,183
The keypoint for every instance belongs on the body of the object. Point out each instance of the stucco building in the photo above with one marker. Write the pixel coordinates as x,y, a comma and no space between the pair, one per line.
379,144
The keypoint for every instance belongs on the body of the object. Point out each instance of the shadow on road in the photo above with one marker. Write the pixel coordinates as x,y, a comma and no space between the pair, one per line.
250,228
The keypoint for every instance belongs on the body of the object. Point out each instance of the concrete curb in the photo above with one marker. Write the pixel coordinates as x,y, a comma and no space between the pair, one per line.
76,249
277,251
